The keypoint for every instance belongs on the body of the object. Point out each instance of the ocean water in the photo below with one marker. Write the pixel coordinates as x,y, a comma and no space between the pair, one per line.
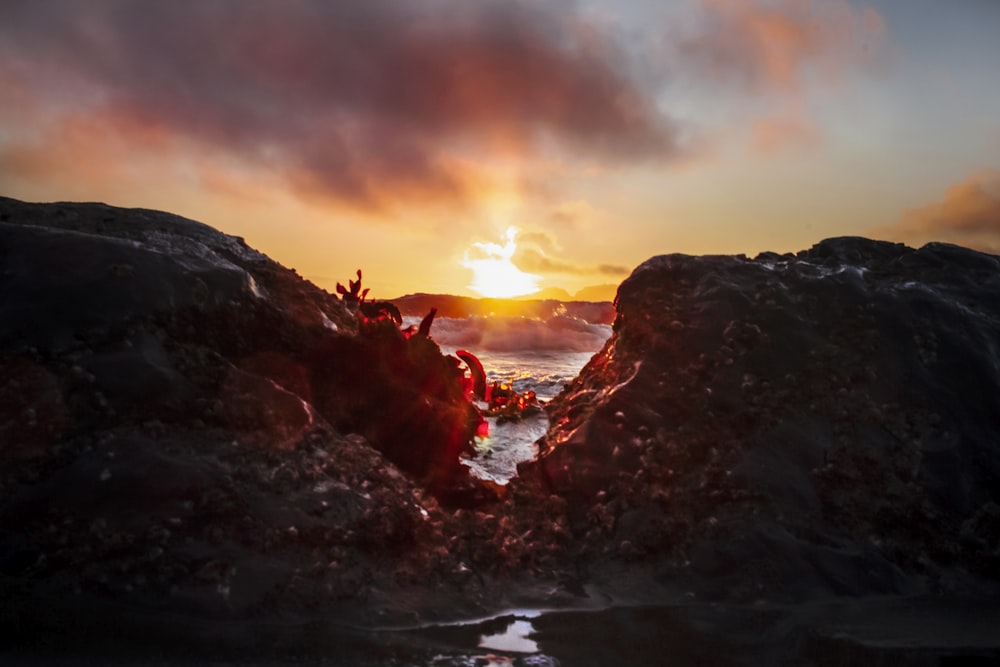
540,355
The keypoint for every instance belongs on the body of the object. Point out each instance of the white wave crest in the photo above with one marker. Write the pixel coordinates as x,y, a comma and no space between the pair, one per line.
509,334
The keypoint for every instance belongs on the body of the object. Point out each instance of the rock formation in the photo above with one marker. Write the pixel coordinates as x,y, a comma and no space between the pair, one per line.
186,425
792,426
197,447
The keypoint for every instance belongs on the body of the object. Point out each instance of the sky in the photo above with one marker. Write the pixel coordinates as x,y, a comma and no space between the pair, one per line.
473,146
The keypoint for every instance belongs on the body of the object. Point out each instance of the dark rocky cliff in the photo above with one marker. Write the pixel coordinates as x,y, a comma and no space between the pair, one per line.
792,426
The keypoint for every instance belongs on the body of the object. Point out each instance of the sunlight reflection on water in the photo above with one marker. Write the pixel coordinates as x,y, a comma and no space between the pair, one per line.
516,638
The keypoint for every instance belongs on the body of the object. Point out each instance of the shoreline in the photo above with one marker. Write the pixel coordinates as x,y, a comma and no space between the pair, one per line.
912,630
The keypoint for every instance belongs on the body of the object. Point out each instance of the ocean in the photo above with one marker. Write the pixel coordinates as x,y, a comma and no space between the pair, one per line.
536,354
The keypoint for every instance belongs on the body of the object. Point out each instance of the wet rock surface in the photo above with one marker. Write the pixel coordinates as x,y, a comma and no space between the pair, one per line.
791,427
203,454
187,426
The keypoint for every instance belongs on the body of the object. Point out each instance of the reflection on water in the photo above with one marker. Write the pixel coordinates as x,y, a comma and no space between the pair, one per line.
505,640
516,639
859,631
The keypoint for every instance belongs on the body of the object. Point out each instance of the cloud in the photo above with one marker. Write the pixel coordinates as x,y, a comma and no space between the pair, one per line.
533,260
777,45
539,252
773,55
788,131
368,104
568,214
543,241
968,214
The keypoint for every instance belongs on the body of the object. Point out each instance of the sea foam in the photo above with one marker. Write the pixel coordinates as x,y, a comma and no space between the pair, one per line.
531,354
513,334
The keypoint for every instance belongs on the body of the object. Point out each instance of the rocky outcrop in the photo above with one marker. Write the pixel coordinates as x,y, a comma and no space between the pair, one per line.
186,425
197,447
791,426
166,318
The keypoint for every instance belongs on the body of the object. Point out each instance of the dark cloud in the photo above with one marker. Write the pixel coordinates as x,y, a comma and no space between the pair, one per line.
612,270
968,214
363,102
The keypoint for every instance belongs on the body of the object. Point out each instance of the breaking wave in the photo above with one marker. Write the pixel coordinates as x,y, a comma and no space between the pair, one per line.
531,354
512,334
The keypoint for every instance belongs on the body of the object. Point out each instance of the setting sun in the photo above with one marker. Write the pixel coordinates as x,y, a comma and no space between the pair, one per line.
493,273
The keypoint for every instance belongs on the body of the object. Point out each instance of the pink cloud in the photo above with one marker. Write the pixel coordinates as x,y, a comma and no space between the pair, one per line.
368,104
776,45
968,214
790,131
773,54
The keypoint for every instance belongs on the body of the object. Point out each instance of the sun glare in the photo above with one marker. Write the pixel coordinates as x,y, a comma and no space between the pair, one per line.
493,274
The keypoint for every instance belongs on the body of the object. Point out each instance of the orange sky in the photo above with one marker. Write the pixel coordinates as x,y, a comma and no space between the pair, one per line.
403,138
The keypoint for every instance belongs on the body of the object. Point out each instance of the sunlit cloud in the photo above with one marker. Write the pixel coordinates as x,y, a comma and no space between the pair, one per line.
968,214
569,214
535,260
539,239
388,106
778,45
387,132
372,105
539,252
773,55
790,131
493,272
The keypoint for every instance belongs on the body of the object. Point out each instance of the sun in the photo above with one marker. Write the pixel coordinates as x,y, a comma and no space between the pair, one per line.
493,274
